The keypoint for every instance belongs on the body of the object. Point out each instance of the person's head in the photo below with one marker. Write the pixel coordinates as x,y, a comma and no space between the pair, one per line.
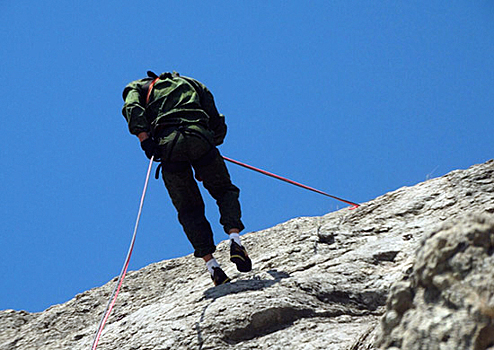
141,85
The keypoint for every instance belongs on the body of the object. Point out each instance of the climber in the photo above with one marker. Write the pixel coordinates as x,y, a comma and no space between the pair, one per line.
177,123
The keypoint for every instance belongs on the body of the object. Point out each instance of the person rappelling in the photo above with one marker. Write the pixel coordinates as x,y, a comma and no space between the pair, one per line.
178,124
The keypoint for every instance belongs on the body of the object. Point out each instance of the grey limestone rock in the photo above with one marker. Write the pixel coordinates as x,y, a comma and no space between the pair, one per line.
447,300
317,283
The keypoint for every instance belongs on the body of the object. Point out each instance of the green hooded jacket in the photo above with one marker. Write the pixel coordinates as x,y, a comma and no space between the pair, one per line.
174,100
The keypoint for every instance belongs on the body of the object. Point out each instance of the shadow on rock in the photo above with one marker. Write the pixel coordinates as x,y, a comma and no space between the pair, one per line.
239,286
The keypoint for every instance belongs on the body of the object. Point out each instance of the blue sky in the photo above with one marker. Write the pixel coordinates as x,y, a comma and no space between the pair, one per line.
356,98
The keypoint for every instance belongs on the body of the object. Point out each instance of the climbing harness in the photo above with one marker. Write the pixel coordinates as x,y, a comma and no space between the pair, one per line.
354,205
118,285
182,130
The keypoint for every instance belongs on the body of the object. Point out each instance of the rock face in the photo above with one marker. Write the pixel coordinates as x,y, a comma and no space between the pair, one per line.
447,300
350,280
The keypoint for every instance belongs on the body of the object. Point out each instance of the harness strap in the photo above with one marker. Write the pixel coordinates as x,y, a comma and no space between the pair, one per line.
151,89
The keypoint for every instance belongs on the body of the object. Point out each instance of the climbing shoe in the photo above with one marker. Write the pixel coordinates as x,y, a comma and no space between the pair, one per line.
238,255
219,277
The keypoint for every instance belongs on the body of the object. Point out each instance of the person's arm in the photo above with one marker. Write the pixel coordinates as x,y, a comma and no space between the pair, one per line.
219,129
134,112
216,120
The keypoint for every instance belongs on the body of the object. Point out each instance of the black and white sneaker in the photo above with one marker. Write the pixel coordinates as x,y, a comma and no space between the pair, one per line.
238,255
219,276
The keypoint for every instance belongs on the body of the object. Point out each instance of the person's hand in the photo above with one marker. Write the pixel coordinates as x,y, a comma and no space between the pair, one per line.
149,147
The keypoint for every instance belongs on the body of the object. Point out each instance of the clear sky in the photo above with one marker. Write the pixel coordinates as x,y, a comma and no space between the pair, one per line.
356,98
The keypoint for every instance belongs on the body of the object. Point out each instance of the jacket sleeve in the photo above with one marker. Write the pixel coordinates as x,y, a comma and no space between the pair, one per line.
133,110
216,120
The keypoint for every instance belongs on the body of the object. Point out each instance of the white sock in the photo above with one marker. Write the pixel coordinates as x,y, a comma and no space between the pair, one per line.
210,264
235,237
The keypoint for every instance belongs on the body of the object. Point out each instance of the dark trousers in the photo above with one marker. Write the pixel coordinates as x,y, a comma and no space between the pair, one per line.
183,153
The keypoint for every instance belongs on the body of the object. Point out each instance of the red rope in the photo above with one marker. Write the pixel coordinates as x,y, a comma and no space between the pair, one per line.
354,205
110,308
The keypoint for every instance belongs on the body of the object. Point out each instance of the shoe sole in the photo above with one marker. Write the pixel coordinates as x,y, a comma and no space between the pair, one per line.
243,265
227,280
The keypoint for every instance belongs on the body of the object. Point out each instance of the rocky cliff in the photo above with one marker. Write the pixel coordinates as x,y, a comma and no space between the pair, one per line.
412,269
446,301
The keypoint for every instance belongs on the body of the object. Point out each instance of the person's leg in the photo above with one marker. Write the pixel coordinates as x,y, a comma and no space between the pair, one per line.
217,274
207,257
216,180
234,235
187,199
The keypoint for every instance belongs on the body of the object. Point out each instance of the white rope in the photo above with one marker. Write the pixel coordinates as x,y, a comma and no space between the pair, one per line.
114,295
